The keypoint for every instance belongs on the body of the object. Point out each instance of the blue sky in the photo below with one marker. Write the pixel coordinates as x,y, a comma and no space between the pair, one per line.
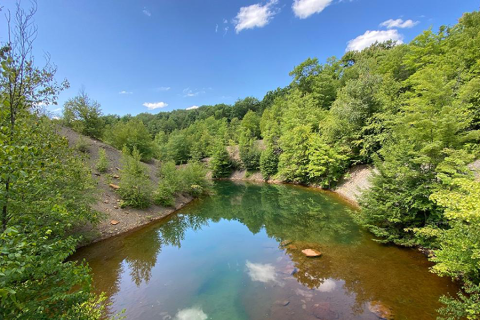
160,55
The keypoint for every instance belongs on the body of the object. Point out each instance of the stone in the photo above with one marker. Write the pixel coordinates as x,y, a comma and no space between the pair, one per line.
115,207
312,253
117,168
114,222
285,243
380,310
282,302
115,176
114,186
105,201
292,247
97,174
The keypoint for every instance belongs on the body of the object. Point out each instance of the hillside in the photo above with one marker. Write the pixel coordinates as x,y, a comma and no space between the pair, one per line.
107,200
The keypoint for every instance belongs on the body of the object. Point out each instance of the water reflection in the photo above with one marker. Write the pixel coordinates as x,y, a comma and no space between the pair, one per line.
261,272
204,256
191,314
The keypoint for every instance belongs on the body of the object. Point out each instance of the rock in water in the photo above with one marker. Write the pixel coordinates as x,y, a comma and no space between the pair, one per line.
380,310
285,243
322,311
114,222
312,253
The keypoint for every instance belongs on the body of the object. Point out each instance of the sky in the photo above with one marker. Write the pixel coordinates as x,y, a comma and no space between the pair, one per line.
160,55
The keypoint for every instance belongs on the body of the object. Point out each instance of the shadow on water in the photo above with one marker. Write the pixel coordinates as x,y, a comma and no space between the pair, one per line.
238,255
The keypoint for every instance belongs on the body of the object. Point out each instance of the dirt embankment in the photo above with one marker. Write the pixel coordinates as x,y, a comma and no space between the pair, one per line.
107,200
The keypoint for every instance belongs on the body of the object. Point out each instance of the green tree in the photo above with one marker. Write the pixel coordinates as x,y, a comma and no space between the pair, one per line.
44,193
135,187
220,164
84,115
269,162
131,134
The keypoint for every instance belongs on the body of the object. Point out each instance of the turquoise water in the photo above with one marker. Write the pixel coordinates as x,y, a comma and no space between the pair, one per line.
222,257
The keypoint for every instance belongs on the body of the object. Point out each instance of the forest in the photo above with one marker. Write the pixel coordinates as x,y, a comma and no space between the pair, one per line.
412,111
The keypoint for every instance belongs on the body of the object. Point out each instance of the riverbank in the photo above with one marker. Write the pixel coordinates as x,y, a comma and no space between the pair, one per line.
350,188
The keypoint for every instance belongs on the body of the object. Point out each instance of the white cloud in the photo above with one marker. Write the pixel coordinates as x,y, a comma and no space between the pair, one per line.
125,92
327,286
192,107
155,105
146,12
225,31
261,272
216,28
398,23
57,110
187,92
225,21
191,314
255,16
370,37
305,8
163,88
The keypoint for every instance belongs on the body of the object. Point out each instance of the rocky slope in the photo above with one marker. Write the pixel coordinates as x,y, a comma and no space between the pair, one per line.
115,220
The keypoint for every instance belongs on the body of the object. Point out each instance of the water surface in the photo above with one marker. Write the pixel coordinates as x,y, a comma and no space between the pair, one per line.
237,255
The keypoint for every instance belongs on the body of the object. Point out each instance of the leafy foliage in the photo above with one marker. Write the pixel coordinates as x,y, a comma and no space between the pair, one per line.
84,115
132,135
102,162
135,188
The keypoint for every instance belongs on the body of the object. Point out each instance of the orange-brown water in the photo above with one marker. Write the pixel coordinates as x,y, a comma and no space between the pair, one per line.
222,257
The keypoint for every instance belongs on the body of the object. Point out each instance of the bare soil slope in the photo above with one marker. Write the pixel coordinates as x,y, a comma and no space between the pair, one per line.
108,200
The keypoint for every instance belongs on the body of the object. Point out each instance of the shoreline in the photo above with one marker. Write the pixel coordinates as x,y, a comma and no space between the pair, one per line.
183,201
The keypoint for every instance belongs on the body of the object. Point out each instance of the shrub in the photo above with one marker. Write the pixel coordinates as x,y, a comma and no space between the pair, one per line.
82,145
102,162
190,179
169,184
135,187
193,179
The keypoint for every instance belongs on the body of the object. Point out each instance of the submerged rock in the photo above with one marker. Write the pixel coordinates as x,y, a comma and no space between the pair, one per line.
282,302
380,310
285,243
312,253
322,311
292,247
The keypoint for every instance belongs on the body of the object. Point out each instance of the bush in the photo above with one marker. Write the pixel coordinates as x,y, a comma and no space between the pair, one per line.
268,163
135,187
82,145
168,186
190,179
102,162
193,179
164,196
